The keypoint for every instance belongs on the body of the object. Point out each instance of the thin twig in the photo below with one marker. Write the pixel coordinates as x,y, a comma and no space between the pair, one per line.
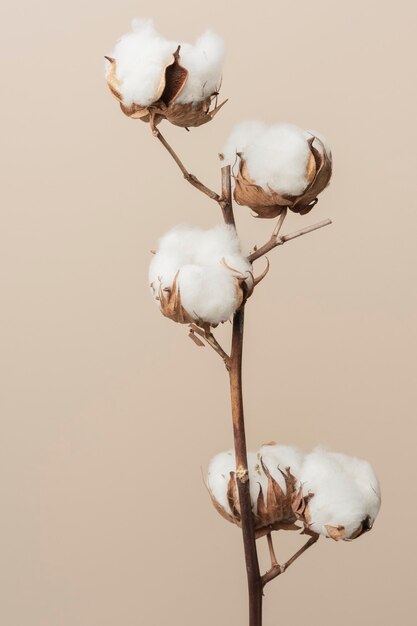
208,336
274,561
193,180
277,569
278,241
280,222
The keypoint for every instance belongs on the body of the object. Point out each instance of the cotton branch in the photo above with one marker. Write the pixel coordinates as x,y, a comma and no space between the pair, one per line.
278,569
193,180
208,336
278,241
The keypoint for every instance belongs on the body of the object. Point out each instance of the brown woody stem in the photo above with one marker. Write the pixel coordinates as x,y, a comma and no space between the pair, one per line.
242,475
247,521
193,180
226,199
278,241
277,569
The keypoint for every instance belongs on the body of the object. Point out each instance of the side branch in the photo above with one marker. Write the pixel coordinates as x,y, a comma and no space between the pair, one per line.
278,241
277,569
193,180
208,336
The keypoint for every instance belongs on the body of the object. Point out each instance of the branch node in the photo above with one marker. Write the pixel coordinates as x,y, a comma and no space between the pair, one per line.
242,474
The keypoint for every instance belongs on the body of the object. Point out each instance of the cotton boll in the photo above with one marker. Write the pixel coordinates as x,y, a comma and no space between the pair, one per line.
204,64
218,476
141,57
241,136
210,270
265,479
277,159
208,293
338,498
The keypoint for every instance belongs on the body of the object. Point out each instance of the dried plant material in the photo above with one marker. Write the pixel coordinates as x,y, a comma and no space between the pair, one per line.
170,303
155,79
200,276
328,493
275,493
279,167
336,532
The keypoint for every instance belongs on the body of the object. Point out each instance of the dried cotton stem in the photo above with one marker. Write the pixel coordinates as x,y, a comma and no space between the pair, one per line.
193,180
278,241
277,569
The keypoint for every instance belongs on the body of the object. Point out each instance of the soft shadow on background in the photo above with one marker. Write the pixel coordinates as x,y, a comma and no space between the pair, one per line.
108,411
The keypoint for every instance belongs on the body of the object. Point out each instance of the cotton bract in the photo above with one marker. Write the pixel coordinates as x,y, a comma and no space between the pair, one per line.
329,493
154,78
200,275
278,166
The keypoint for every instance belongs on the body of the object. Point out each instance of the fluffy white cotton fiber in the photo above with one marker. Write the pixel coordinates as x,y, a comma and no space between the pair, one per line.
281,457
241,136
346,490
142,54
207,264
276,157
204,62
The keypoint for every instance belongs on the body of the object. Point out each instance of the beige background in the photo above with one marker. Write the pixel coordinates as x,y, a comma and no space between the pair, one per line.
108,411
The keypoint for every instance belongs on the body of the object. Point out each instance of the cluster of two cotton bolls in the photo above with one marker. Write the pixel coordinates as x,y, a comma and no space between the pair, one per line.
331,494
200,275
154,78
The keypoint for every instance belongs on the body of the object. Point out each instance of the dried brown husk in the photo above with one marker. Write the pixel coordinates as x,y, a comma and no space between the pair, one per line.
170,303
339,532
276,509
269,204
164,106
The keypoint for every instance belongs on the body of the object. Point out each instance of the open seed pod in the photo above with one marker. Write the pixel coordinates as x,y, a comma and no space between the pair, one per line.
329,494
277,499
269,203
201,276
164,103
